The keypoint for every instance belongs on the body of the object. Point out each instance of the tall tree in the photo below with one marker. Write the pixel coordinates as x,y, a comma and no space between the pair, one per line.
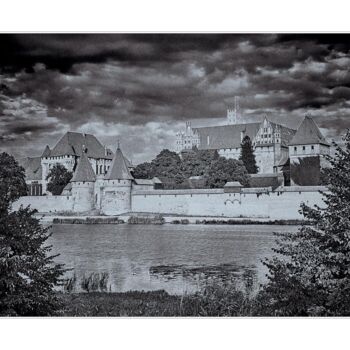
247,155
310,275
28,275
58,178
12,184
224,170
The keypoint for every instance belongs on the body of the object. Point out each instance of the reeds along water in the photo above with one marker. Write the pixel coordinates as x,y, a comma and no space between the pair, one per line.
94,282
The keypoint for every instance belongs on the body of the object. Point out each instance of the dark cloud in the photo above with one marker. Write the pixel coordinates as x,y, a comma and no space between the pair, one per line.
103,83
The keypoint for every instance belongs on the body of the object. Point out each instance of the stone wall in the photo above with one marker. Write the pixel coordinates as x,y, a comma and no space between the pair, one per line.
283,204
46,204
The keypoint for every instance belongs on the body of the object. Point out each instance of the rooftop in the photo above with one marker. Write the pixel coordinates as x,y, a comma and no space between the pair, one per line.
84,171
72,143
308,133
119,169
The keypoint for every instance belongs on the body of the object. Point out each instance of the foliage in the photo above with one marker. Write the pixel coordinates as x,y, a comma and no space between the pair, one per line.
307,172
197,162
311,273
247,155
224,170
58,178
28,274
174,171
12,181
144,171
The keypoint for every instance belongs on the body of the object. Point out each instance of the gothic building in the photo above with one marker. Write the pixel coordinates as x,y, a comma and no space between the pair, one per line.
67,152
273,143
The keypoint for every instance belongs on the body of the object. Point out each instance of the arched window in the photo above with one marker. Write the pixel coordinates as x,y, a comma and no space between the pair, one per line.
101,169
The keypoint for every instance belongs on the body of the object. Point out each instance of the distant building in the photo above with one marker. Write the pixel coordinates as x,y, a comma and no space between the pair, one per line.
67,152
272,141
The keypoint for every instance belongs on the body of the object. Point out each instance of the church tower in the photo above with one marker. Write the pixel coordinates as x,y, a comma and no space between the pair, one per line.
116,196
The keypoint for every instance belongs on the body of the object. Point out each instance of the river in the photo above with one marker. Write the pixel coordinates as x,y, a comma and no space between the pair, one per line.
177,258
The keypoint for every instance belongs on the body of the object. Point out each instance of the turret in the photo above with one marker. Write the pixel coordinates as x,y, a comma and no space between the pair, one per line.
83,183
116,196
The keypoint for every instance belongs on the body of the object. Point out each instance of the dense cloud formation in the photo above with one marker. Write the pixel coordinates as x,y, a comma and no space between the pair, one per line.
141,88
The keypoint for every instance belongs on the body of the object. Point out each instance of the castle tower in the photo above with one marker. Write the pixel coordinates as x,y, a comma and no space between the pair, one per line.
83,183
116,192
308,146
234,115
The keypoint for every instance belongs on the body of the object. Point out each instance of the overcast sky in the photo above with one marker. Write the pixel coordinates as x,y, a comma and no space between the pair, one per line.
142,88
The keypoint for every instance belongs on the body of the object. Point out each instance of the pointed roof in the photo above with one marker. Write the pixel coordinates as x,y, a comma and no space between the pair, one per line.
46,152
308,133
73,143
84,171
118,169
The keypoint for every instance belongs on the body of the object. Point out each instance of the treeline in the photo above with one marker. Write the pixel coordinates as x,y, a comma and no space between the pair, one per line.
175,171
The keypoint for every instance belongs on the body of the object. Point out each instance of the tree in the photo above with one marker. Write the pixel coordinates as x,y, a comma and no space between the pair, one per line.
307,172
167,164
247,155
144,171
58,177
197,162
12,184
224,170
28,275
310,275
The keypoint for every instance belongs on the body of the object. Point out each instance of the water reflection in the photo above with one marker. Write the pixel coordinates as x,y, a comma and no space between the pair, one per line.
176,258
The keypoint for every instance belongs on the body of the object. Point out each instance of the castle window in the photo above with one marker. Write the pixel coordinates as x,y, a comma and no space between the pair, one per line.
312,147
295,149
96,169
303,148
100,169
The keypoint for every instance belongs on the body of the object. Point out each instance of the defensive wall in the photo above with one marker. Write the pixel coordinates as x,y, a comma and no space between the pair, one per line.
281,204
46,204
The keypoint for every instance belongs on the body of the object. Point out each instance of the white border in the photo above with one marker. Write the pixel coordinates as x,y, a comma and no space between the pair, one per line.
173,16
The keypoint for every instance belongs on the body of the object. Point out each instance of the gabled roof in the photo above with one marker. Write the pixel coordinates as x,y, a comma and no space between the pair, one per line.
118,169
32,167
233,184
72,143
84,171
308,133
144,182
226,136
46,152
286,133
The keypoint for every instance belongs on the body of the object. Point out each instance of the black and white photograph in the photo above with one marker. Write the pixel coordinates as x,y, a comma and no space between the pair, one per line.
174,174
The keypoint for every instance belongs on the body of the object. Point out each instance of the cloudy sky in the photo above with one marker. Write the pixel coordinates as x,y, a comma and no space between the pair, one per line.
142,88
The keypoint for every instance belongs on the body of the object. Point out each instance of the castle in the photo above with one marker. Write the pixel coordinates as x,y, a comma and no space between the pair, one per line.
101,181
275,145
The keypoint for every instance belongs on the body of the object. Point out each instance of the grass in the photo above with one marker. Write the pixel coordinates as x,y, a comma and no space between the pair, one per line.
213,300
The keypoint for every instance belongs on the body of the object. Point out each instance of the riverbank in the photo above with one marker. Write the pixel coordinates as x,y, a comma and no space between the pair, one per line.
218,302
159,220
